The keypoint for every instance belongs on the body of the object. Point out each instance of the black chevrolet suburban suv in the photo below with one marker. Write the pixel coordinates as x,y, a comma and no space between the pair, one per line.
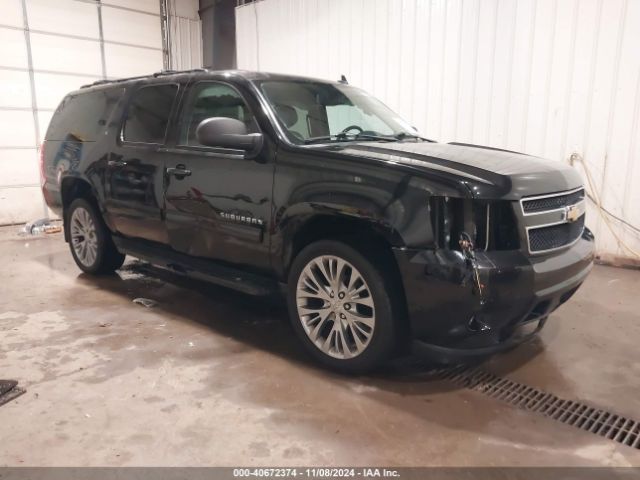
264,183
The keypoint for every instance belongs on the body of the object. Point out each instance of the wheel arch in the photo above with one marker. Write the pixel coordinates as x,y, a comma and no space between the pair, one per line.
374,243
72,187
374,240
337,227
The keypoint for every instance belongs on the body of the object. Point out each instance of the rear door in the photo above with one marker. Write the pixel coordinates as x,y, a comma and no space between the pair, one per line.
219,207
134,181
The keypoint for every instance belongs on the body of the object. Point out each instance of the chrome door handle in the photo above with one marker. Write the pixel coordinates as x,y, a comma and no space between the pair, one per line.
178,171
116,163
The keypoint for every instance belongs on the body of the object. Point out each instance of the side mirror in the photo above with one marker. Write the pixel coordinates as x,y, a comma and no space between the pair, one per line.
227,133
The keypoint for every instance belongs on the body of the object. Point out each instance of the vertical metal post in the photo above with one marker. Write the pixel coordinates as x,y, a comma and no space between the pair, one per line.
165,26
32,85
103,57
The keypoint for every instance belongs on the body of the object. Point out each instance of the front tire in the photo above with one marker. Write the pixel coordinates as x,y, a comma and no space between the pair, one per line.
90,240
342,307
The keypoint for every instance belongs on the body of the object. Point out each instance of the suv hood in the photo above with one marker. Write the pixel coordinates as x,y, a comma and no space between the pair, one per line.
488,172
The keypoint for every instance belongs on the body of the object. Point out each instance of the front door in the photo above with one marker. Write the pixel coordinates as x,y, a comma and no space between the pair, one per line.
217,202
134,180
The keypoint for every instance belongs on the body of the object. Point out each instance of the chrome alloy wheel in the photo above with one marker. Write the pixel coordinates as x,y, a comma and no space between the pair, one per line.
83,236
335,307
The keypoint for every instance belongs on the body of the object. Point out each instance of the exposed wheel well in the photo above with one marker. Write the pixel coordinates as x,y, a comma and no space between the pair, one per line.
350,230
73,188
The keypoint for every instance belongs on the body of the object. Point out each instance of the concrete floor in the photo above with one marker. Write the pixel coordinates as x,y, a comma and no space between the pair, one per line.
212,377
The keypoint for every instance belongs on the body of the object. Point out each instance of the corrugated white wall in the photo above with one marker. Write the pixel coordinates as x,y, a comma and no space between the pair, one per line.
48,48
185,35
546,77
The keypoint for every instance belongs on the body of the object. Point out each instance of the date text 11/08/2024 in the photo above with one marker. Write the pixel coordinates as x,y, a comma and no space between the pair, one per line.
316,472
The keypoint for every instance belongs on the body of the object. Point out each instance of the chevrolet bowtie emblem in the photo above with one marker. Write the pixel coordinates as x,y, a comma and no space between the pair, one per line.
572,213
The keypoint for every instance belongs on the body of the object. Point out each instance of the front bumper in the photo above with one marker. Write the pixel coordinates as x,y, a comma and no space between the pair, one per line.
520,291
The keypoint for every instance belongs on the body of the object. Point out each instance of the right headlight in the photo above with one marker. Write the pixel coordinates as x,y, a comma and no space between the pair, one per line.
490,224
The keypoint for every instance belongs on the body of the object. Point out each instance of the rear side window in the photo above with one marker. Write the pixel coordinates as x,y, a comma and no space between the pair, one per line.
83,116
148,114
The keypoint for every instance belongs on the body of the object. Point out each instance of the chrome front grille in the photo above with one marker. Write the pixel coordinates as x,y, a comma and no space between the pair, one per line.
555,236
543,204
553,221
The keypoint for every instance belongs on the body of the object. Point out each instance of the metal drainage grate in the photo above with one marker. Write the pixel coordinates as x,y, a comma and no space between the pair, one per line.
9,390
593,420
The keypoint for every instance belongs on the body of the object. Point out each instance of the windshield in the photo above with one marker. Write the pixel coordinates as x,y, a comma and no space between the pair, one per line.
312,112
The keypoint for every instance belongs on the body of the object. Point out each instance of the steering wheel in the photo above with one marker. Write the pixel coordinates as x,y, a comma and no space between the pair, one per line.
353,127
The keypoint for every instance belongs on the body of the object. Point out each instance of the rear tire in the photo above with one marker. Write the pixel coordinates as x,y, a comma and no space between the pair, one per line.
90,241
344,309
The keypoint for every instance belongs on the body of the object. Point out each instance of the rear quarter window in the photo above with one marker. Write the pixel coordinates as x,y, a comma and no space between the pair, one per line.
83,116
148,114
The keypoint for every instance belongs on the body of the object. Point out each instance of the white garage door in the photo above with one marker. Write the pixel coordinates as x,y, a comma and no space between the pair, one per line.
48,48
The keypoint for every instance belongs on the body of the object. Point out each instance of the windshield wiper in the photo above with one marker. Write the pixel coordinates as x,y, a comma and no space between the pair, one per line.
405,135
371,136
339,136
343,137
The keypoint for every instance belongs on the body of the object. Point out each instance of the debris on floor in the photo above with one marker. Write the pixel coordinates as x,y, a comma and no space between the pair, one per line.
39,227
9,390
147,302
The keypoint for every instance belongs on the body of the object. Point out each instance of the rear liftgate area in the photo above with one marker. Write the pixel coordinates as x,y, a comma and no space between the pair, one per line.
9,390
574,413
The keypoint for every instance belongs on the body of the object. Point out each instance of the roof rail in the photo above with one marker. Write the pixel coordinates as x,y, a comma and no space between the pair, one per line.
115,80
139,77
174,72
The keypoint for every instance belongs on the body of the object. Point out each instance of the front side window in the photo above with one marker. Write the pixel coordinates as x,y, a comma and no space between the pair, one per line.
212,99
311,111
148,114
